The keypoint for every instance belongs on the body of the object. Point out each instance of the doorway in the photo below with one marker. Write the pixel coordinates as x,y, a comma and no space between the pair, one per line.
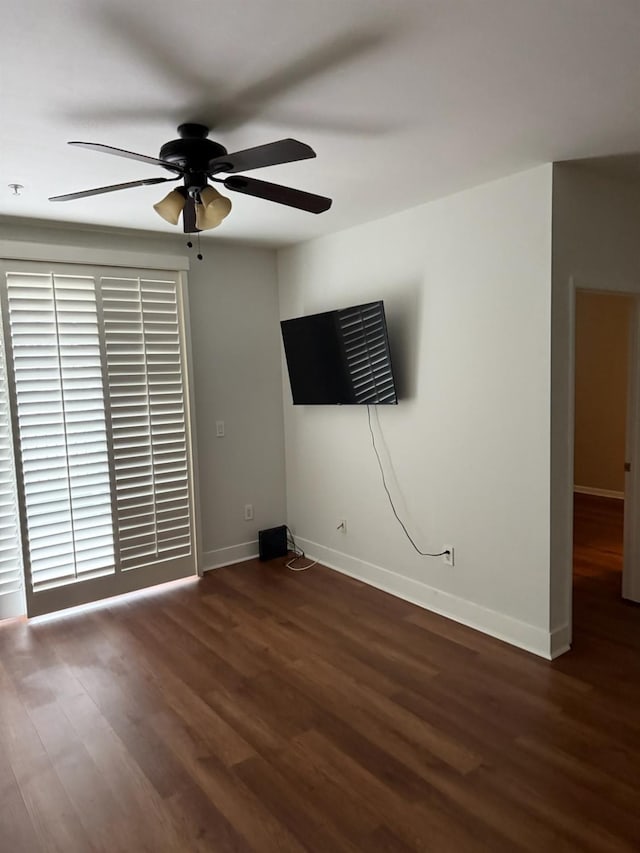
604,399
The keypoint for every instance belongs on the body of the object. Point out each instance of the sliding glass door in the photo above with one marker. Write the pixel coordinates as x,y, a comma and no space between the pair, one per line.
95,363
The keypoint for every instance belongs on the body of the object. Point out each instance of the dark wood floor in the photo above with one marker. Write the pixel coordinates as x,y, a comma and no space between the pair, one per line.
264,710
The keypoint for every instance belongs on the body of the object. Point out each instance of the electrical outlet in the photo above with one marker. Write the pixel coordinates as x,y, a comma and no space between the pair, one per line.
248,512
342,525
448,557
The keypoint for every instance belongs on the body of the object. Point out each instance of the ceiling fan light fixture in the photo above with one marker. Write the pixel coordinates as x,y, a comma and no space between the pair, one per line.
213,208
171,205
195,158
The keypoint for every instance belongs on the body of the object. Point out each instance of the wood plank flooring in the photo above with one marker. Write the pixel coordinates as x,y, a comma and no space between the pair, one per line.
262,710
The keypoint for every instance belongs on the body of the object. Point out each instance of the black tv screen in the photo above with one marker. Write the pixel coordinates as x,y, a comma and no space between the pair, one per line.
340,357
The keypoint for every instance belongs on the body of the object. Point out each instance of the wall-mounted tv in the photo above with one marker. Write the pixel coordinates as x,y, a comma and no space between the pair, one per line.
340,357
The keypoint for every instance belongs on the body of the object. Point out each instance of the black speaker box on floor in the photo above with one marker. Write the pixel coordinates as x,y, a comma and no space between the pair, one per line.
272,542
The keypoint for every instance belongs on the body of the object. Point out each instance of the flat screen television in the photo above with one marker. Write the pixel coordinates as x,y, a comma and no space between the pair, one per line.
340,357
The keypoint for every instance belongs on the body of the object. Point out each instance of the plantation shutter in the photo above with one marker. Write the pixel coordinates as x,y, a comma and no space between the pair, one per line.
97,390
147,399
61,427
11,592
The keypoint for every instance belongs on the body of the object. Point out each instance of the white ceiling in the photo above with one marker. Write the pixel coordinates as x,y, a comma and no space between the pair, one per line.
403,100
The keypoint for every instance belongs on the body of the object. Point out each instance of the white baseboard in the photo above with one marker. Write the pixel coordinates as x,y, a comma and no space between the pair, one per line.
499,625
228,556
560,641
598,493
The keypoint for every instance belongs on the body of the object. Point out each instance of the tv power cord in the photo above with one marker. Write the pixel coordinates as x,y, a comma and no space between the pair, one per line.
299,555
386,488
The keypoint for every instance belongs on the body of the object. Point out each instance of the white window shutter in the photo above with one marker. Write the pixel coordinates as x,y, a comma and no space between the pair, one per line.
11,574
55,347
95,458
144,355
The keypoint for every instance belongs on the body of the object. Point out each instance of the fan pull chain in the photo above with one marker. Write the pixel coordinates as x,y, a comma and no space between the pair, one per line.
190,246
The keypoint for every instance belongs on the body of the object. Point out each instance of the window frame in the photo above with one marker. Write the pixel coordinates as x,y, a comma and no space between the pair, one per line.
84,591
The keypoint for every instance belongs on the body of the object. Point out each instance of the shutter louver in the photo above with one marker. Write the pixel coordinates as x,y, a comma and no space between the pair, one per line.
55,346
11,597
363,336
148,419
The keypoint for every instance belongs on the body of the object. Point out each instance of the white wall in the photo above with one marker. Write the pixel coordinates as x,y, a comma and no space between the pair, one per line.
595,246
467,286
237,378
236,354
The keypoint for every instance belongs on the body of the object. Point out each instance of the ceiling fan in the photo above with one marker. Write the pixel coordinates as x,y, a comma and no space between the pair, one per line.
196,160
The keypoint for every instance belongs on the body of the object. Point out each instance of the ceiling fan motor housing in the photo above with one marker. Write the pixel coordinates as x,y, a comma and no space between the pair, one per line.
192,152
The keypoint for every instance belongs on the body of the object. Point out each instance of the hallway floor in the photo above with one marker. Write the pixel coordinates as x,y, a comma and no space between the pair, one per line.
606,628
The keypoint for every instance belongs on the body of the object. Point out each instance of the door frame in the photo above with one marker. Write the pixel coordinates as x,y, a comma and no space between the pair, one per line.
631,546
631,563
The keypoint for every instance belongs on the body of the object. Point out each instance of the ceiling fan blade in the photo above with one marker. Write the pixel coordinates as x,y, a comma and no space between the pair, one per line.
189,217
329,56
183,71
130,155
271,154
146,182
282,195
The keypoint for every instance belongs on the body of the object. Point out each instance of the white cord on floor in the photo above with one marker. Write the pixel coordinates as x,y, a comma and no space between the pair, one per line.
293,568
299,555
